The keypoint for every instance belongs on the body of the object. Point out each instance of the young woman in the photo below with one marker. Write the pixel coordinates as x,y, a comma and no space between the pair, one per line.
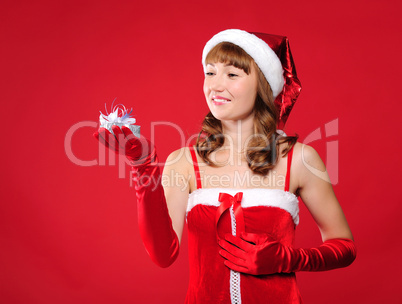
238,187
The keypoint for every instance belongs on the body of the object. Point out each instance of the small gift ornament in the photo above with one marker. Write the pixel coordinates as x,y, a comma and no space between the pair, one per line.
120,116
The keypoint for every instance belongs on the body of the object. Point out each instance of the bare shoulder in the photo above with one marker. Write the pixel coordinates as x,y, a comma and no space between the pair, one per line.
179,160
306,164
306,157
309,169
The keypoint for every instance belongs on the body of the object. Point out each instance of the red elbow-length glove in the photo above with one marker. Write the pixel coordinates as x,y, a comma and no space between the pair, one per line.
154,222
256,254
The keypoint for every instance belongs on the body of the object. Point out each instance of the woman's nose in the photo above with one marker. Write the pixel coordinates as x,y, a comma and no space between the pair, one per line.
217,83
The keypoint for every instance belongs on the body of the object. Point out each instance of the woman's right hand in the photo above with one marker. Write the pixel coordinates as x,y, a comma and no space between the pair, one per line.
123,141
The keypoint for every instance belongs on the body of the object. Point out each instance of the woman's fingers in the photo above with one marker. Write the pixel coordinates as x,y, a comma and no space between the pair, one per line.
120,136
141,145
123,141
101,139
127,133
108,139
235,267
238,242
256,238
232,250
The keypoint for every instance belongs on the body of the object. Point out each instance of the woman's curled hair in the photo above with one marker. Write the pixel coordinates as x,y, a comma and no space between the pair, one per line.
263,148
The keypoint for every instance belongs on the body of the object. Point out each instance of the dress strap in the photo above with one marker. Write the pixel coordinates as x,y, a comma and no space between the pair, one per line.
196,168
287,180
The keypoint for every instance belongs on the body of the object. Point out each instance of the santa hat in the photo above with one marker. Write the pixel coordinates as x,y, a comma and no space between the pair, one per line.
272,55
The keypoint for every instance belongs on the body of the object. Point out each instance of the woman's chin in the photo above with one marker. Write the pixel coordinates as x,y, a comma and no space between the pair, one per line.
221,116
230,116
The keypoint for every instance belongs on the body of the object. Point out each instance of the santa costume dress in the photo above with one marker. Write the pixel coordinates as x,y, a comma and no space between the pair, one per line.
213,212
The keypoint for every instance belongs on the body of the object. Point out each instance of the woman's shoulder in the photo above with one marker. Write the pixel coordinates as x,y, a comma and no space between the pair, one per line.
308,155
306,160
299,150
180,159
306,163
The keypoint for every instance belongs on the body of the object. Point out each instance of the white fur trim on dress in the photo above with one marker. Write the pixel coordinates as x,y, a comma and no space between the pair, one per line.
251,198
258,49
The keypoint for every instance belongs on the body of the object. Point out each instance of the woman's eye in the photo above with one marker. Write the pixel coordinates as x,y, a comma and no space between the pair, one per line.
209,73
232,75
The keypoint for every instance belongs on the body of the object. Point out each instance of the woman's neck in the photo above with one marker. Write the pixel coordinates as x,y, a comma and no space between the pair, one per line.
237,134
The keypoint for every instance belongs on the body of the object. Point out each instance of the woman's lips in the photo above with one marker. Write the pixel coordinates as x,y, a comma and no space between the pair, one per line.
219,100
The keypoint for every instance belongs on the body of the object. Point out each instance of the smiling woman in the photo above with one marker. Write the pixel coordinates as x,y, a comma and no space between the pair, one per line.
240,75
241,234
230,92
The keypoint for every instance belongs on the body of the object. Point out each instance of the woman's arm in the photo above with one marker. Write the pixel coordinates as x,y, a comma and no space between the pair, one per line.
175,179
317,193
161,207
157,230
257,254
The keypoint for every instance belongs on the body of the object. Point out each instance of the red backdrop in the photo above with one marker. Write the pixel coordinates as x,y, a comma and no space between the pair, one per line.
69,232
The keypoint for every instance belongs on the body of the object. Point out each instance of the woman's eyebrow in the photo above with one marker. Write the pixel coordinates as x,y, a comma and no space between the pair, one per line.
225,65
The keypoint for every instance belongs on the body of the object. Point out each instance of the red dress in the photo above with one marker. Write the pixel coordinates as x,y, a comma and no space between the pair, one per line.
211,214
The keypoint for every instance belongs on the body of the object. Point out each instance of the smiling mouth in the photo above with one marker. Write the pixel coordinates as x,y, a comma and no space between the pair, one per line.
220,100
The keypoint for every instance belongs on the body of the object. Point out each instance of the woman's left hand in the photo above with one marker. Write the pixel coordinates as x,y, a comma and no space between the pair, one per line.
253,253
258,255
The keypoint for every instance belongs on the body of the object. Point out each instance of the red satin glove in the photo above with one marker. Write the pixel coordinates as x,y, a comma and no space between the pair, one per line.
124,142
258,254
154,222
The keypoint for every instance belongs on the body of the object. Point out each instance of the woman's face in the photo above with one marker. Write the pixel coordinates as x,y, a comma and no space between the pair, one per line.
229,91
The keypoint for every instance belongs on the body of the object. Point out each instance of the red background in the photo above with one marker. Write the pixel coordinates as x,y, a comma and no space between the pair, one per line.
69,233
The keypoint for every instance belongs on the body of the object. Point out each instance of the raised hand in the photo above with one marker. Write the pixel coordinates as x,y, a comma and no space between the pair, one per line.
123,141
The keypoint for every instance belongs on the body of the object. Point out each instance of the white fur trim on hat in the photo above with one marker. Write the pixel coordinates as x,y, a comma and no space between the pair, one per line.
258,49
